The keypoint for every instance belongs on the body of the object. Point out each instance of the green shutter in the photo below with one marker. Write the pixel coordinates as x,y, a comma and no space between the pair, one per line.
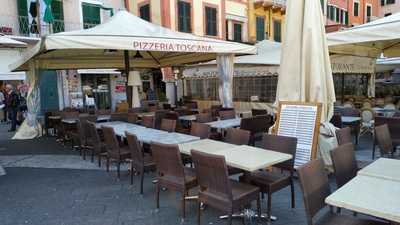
23,20
260,28
184,17
237,32
58,13
211,21
277,31
91,15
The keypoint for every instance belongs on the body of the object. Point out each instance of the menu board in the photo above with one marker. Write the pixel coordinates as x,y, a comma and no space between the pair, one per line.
302,121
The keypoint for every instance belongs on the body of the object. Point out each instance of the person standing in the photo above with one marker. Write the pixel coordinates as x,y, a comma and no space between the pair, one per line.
12,105
2,106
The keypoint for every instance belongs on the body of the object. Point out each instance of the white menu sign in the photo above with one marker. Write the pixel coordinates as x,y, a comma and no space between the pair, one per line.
299,121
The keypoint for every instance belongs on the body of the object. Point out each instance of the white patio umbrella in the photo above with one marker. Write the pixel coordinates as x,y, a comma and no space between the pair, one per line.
124,41
6,42
305,69
370,39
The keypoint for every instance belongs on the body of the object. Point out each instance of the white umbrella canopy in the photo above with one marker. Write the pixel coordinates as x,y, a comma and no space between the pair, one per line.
305,69
370,39
8,42
103,47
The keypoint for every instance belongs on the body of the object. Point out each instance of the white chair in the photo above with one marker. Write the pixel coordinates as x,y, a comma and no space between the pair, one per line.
367,121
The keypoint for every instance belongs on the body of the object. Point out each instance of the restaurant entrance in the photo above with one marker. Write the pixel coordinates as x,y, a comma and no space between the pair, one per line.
96,90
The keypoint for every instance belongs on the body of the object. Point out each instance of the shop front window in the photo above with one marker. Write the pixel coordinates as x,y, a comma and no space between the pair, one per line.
96,91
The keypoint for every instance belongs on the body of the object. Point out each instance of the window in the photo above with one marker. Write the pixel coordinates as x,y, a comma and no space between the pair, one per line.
356,8
341,16
346,18
277,31
237,32
58,13
382,2
227,29
144,12
211,21
388,2
23,19
91,15
337,18
388,14
260,28
184,17
331,12
323,6
369,13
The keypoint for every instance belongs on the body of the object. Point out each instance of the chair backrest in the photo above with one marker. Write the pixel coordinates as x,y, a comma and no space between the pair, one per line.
70,114
200,130
103,112
135,110
214,111
135,147
172,115
256,124
281,144
168,161
204,118
119,117
168,125
344,163
314,184
212,174
258,112
227,114
393,124
343,136
336,120
367,115
167,106
382,136
83,123
158,116
93,133
110,139
237,136
132,117
148,121
191,105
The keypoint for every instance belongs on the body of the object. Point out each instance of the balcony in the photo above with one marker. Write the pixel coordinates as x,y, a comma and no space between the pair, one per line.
275,4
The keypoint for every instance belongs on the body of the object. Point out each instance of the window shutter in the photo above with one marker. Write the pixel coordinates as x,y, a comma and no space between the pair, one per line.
58,13
260,28
91,15
23,20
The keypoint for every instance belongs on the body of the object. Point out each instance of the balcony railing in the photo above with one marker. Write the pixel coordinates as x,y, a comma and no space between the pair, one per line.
272,3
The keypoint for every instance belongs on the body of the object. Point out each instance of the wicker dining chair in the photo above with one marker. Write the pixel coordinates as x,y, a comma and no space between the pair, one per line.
237,137
119,117
344,163
132,117
171,173
148,121
257,125
343,136
158,116
259,112
200,130
217,190
114,151
99,147
140,161
227,114
204,118
315,187
168,125
270,182
384,141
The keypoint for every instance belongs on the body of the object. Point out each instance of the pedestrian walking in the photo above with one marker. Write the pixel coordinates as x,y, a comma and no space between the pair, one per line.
12,105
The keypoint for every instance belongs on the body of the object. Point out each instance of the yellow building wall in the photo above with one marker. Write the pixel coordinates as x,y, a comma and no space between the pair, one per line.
270,16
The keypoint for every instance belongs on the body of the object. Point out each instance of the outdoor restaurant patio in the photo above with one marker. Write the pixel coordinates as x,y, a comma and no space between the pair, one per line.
312,160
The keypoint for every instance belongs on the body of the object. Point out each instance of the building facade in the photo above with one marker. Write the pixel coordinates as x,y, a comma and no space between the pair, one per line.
266,20
389,7
23,20
348,13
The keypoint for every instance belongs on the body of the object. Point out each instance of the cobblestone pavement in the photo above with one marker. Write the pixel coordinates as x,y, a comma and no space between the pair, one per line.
49,184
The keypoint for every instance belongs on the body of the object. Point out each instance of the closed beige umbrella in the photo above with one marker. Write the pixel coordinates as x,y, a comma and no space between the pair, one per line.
305,71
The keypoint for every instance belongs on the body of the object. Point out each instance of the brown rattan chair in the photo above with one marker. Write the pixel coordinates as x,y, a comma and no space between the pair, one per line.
132,117
237,136
148,121
158,116
214,110
384,141
119,117
114,151
270,182
336,120
200,130
343,136
259,112
140,162
344,163
84,134
393,124
204,118
168,125
257,125
314,184
217,190
99,147
103,111
227,114
171,173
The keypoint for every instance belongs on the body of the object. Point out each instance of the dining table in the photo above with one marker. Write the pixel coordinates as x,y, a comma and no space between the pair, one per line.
374,191
354,122
225,124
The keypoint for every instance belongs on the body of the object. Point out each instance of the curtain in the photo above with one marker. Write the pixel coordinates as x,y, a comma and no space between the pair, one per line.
225,64
31,128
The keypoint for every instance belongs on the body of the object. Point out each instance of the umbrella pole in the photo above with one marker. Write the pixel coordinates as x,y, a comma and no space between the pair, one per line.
342,88
128,88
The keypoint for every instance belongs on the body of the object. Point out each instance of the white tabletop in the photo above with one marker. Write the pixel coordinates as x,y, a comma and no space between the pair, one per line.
369,195
69,121
148,135
383,168
188,117
224,124
141,114
251,158
103,117
205,145
350,119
